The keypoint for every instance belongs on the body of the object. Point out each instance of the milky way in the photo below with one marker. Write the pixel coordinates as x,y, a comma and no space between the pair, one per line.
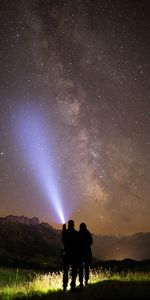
84,65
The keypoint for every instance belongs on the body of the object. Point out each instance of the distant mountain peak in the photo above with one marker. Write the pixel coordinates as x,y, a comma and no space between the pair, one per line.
20,219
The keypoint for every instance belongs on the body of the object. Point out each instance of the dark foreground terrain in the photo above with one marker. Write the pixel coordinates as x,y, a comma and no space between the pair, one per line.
102,290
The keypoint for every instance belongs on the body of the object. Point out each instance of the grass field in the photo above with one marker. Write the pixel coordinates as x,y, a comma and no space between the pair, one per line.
25,284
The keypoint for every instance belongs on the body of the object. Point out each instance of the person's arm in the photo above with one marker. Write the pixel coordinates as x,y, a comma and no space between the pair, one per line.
90,239
64,234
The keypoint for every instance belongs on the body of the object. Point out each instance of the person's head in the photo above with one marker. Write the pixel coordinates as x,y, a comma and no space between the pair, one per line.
70,224
82,226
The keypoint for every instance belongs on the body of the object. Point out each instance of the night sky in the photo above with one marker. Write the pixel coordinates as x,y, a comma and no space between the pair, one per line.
75,100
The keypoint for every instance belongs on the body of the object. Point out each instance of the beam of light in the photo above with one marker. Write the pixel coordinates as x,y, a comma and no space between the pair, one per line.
38,146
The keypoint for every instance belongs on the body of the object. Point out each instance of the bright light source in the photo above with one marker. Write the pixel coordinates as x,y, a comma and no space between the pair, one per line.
38,143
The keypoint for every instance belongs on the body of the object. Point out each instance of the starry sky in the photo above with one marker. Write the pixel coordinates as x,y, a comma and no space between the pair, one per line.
78,69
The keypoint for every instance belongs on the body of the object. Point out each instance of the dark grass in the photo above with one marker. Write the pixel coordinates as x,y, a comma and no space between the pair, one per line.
104,285
109,289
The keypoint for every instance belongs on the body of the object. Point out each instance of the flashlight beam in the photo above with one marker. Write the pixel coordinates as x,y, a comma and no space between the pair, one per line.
40,156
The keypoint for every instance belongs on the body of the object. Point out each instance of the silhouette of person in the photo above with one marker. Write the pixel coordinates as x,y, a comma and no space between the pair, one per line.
85,242
70,254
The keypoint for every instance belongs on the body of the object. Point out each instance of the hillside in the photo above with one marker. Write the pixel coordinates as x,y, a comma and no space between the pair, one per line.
136,246
28,243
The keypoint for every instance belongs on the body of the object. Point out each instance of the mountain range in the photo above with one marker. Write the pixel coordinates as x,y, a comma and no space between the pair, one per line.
26,242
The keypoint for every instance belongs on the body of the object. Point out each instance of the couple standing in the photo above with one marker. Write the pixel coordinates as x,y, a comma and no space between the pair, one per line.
76,253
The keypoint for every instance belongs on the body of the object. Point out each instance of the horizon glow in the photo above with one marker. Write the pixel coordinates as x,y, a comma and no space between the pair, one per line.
38,152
